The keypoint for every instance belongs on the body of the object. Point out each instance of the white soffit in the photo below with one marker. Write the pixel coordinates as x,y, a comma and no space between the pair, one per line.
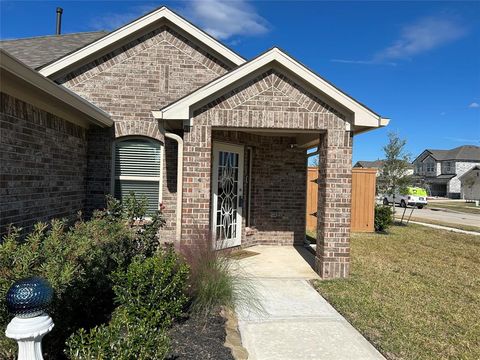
133,27
182,109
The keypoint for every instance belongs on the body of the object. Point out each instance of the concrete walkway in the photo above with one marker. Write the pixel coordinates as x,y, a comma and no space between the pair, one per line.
292,320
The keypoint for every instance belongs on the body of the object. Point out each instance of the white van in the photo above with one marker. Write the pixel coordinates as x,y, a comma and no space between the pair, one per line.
413,196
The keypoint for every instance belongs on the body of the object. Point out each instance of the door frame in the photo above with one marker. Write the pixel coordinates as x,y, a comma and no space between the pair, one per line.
216,148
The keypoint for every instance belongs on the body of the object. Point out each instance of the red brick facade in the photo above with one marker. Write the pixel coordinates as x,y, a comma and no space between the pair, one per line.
131,81
334,204
43,165
274,101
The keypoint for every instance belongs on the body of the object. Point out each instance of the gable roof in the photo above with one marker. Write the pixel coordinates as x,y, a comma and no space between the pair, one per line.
136,27
38,51
470,171
24,83
369,164
376,164
182,109
464,152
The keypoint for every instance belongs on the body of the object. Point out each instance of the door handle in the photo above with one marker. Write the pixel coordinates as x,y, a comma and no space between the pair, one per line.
240,201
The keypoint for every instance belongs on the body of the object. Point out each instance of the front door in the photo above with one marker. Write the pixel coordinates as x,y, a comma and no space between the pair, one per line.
227,188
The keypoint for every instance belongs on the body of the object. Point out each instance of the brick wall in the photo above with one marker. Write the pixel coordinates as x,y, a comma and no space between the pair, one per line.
275,101
334,204
131,81
43,165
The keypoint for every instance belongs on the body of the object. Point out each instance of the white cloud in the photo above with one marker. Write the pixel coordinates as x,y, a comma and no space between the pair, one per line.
422,36
224,19
112,20
474,105
221,19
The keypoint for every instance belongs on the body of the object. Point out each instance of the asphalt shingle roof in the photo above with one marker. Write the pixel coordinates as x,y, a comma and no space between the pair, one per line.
369,164
465,152
38,51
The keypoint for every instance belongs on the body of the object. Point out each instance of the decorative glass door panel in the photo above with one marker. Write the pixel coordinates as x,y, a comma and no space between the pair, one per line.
227,194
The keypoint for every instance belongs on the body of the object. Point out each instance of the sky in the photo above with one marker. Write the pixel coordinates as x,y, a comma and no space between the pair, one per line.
417,63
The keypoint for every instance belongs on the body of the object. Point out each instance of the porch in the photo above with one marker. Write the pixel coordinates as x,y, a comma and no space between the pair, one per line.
257,183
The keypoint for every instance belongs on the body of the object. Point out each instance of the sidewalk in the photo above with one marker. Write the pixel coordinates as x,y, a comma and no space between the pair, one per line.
295,322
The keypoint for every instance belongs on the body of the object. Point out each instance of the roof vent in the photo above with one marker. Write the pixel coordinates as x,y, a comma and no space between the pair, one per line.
59,21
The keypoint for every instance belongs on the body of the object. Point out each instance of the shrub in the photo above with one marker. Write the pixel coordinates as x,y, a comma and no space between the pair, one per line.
153,289
150,295
77,262
383,217
122,339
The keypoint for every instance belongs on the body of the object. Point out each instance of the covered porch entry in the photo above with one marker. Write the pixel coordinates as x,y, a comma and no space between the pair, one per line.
259,186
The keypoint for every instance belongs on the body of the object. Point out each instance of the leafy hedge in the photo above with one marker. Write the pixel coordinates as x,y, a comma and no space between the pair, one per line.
150,295
77,261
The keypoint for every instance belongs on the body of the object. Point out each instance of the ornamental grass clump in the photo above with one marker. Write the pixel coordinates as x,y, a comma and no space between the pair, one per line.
215,281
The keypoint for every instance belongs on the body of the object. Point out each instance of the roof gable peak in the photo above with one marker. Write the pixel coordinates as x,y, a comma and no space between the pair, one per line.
361,116
136,27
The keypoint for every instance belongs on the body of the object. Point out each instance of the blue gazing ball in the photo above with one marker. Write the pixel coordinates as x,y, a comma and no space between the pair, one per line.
29,297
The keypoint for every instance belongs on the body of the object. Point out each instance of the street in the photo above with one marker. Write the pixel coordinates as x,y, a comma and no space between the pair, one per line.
447,216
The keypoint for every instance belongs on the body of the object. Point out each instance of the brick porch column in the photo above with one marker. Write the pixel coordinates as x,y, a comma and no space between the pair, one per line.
196,184
334,196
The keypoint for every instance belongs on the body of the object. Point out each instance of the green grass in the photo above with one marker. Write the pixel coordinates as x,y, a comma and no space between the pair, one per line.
415,293
460,206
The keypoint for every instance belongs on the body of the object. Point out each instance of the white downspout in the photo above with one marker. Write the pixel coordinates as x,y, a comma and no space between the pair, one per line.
178,227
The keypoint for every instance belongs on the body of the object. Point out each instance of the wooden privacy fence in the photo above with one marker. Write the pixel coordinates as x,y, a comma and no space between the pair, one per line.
363,199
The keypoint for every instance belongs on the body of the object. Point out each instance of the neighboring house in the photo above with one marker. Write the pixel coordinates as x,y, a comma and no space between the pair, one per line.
377,164
441,170
161,108
470,184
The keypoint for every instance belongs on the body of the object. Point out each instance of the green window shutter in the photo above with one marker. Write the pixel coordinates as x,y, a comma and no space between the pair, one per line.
137,169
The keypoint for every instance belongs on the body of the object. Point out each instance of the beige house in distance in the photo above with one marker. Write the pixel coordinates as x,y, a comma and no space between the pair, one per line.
161,108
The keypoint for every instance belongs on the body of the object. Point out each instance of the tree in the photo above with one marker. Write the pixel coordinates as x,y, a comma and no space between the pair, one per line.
393,176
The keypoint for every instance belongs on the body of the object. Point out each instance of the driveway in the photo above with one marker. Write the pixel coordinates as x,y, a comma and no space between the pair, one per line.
290,320
447,216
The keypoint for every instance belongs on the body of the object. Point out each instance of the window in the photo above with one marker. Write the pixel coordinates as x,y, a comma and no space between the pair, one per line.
430,167
448,167
137,168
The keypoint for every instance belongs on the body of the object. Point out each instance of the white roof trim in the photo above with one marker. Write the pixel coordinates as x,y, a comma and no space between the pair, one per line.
124,31
181,109
65,96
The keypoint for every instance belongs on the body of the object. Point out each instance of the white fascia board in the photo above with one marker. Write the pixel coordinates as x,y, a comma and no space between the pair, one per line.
27,74
125,31
180,110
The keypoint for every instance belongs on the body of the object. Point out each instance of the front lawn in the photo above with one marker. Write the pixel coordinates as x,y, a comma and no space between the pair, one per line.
414,293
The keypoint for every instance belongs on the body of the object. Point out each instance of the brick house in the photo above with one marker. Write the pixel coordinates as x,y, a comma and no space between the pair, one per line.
220,141
440,170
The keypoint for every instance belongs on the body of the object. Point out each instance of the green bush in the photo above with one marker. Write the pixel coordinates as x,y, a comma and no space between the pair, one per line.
383,217
121,339
153,289
77,262
150,295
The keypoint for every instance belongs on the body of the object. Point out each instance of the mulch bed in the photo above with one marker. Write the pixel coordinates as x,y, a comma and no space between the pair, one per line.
193,338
